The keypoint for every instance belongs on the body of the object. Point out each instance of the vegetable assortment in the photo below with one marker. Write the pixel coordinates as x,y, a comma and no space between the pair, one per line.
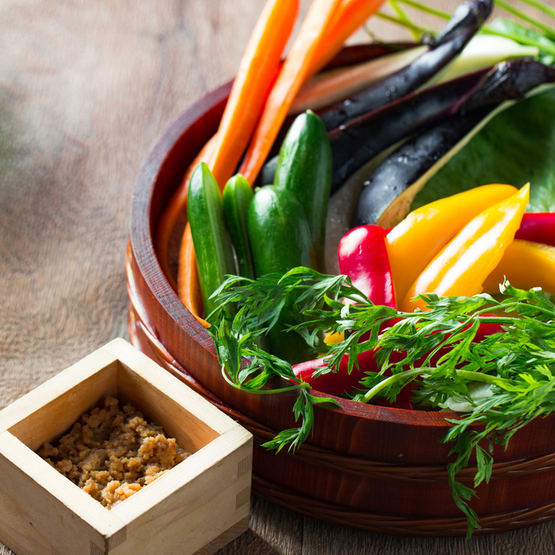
435,352
414,319
269,231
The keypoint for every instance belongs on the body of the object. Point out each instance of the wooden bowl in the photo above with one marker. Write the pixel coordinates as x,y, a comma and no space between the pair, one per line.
366,467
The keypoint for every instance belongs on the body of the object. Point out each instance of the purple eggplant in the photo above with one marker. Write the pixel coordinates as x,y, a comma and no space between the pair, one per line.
468,15
466,20
356,143
510,80
445,46
387,195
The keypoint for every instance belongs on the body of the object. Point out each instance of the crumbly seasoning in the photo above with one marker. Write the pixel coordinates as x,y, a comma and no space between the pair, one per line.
112,453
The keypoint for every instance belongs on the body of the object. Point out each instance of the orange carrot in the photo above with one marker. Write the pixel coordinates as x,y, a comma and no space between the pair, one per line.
258,96
292,75
187,279
175,208
348,18
257,73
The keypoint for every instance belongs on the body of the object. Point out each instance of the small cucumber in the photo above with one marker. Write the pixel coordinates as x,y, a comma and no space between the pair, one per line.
212,244
278,232
237,196
280,240
304,169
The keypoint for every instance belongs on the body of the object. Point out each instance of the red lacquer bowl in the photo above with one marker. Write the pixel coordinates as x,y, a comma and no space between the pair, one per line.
366,467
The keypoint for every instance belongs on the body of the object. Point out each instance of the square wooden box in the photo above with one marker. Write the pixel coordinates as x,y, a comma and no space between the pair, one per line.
199,505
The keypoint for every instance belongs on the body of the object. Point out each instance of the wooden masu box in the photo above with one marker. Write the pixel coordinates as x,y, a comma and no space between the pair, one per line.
199,505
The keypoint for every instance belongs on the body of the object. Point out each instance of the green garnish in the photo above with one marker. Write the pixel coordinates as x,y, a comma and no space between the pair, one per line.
516,367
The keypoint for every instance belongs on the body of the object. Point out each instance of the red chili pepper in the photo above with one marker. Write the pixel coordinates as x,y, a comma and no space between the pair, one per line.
363,257
338,382
484,329
487,328
538,227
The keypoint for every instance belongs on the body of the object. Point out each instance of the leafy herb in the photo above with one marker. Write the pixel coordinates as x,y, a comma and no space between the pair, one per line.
516,368
239,340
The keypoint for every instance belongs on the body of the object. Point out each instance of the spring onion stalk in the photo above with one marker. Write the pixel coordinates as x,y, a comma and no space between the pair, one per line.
527,40
403,16
412,27
483,51
525,17
541,7
426,9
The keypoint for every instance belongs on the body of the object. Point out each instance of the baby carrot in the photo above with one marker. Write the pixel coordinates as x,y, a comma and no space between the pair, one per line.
257,73
350,15
187,279
176,207
292,75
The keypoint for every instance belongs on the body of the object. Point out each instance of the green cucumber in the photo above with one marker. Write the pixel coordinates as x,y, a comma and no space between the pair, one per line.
280,239
304,169
278,232
237,197
212,244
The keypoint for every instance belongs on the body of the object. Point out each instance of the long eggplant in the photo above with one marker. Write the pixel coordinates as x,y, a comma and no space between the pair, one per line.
510,80
466,20
386,196
388,193
468,15
353,145
445,46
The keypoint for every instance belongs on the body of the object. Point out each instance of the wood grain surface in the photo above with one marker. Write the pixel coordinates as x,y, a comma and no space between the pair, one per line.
85,89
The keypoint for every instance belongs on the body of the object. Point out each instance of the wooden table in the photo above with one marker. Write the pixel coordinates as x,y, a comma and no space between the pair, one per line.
85,89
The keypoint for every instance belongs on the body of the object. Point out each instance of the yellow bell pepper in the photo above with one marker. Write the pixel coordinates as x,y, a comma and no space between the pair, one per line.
462,267
414,242
333,338
525,265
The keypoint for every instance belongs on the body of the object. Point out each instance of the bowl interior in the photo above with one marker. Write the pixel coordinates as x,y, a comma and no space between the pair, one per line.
188,347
